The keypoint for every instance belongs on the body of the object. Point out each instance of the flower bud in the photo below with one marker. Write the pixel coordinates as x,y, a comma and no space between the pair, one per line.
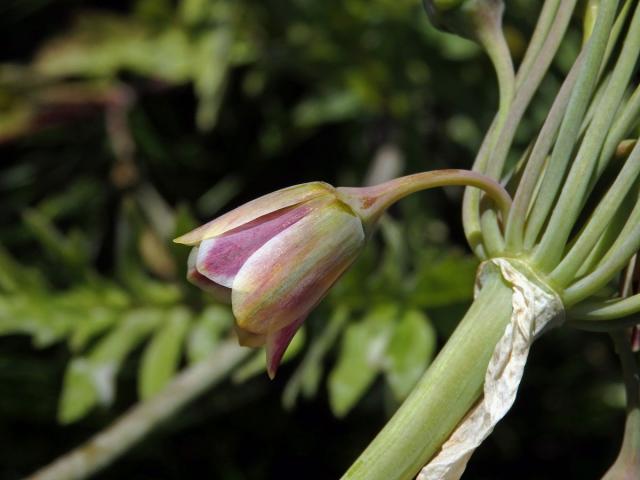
275,258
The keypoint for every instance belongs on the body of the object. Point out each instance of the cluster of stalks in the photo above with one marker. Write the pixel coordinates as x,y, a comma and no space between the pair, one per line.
574,223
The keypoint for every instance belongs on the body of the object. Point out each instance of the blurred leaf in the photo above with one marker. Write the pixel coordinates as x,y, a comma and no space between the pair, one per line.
409,352
206,332
362,356
90,380
162,355
212,58
71,251
307,376
214,199
332,107
155,254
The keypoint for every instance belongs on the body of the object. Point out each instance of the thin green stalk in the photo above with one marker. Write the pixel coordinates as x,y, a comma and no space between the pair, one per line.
575,188
139,421
629,116
535,166
492,39
540,34
571,122
608,310
604,212
617,29
625,246
601,326
533,60
610,235
489,222
446,392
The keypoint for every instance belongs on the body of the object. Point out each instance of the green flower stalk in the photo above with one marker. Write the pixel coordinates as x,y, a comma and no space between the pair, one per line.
276,257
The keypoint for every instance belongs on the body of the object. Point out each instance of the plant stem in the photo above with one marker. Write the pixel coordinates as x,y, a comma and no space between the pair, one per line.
575,188
545,20
140,420
570,127
371,202
623,248
446,392
604,212
514,235
503,139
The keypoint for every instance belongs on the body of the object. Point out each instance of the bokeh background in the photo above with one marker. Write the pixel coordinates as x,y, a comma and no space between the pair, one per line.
124,123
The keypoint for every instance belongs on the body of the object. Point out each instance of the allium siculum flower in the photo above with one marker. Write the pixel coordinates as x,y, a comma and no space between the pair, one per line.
276,257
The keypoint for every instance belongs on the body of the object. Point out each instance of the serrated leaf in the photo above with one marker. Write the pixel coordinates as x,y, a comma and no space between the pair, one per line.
257,364
409,352
206,333
162,355
362,356
90,380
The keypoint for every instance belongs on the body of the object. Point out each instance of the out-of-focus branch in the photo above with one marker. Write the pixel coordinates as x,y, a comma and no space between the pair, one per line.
140,420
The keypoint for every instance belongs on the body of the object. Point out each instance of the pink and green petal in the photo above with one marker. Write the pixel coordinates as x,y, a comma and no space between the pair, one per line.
220,258
255,209
291,273
219,292
277,343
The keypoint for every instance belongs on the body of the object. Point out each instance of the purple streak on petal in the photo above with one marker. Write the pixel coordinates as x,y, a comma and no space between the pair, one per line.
291,273
277,343
220,258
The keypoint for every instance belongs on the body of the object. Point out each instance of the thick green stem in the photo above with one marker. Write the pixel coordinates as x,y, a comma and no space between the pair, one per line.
446,392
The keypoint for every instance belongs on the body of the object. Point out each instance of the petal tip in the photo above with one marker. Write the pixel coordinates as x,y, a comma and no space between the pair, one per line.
185,239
